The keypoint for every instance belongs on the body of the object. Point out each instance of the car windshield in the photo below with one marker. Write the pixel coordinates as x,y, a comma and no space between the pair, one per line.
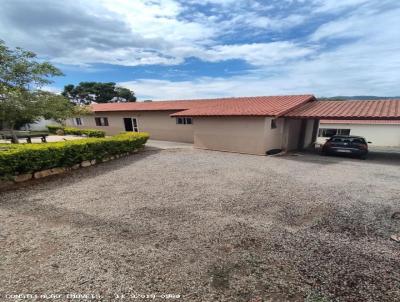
356,140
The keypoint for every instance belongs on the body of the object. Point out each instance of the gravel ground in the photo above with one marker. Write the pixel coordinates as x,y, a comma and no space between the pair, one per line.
209,226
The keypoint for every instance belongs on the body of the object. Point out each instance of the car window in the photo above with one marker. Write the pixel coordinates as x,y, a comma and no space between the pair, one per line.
358,141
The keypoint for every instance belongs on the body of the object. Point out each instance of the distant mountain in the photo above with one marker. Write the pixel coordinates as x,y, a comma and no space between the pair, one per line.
358,97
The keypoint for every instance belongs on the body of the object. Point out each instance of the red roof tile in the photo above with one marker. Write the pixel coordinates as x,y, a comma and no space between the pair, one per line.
143,106
379,109
263,105
362,122
248,106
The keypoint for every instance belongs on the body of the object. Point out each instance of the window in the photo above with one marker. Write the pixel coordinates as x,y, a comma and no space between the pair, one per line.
329,132
135,125
273,124
184,120
78,121
131,124
343,132
101,121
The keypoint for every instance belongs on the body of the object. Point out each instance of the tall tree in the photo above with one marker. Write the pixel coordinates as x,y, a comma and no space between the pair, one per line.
21,77
88,92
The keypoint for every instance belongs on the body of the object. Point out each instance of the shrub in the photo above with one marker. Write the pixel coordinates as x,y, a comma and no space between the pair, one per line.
54,128
26,158
60,132
76,131
87,132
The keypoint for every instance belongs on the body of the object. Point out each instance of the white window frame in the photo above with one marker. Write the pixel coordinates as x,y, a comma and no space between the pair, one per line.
338,131
184,121
102,121
135,125
76,121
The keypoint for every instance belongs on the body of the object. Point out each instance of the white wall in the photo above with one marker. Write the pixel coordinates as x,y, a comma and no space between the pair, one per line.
379,135
40,125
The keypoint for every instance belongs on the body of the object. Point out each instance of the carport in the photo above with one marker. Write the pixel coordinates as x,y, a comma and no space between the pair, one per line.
312,112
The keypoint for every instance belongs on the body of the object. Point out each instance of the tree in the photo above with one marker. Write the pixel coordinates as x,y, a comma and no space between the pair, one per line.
21,100
88,92
126,94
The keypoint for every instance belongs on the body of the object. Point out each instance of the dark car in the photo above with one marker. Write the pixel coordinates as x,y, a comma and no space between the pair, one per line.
346,145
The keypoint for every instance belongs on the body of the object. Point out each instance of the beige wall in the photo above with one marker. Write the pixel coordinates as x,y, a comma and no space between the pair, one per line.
379,135
158,123
251,135
308,138
291,134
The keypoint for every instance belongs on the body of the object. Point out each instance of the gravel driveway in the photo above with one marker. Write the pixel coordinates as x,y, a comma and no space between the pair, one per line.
208,226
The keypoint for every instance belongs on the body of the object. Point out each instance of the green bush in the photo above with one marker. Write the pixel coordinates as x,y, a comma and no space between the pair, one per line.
77,131
53,129
87,132
26,158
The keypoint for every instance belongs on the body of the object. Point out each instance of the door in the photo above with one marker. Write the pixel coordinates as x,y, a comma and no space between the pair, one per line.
130,124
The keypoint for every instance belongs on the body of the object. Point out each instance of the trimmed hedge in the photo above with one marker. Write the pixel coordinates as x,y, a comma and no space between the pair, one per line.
53,129
87,132
27,158
77,131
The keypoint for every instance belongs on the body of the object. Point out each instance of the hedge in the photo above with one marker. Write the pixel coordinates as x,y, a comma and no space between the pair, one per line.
26,158
77,131
54,129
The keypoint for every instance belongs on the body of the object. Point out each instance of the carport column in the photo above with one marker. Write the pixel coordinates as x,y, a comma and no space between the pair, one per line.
302,135
315,131
285,135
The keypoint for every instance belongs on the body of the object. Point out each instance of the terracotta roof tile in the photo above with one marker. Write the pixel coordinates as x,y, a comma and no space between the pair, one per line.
263,105
248,106
362,122
378,109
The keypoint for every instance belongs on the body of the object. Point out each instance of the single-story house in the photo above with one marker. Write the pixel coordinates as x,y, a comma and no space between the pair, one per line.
378,132
250,125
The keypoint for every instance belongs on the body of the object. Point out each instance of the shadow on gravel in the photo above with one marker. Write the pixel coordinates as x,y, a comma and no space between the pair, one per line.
54,216
380,157
374,157
74,176
310,158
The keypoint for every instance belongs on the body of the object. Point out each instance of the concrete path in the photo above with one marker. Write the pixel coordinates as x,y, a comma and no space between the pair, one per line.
164,145
50,139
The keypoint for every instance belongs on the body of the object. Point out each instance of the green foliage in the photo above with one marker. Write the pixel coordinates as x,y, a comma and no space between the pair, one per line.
81,110
87,92
21,74
20,68
77,131
53,128
26,158
87,132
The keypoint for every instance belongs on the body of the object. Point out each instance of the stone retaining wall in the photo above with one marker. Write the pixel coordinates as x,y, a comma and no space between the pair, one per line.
5,184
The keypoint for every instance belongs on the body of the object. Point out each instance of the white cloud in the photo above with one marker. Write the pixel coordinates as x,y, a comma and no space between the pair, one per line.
258,54
354,53
368,64
331,6
141,32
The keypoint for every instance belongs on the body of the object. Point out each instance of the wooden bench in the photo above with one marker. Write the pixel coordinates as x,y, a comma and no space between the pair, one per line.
24,135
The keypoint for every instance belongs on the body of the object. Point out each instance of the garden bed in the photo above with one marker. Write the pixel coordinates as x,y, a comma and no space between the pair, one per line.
76,131
21,162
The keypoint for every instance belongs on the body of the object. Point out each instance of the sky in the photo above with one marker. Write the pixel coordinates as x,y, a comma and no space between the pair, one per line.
180,49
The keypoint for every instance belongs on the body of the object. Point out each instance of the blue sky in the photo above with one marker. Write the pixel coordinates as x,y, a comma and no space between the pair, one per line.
177,49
